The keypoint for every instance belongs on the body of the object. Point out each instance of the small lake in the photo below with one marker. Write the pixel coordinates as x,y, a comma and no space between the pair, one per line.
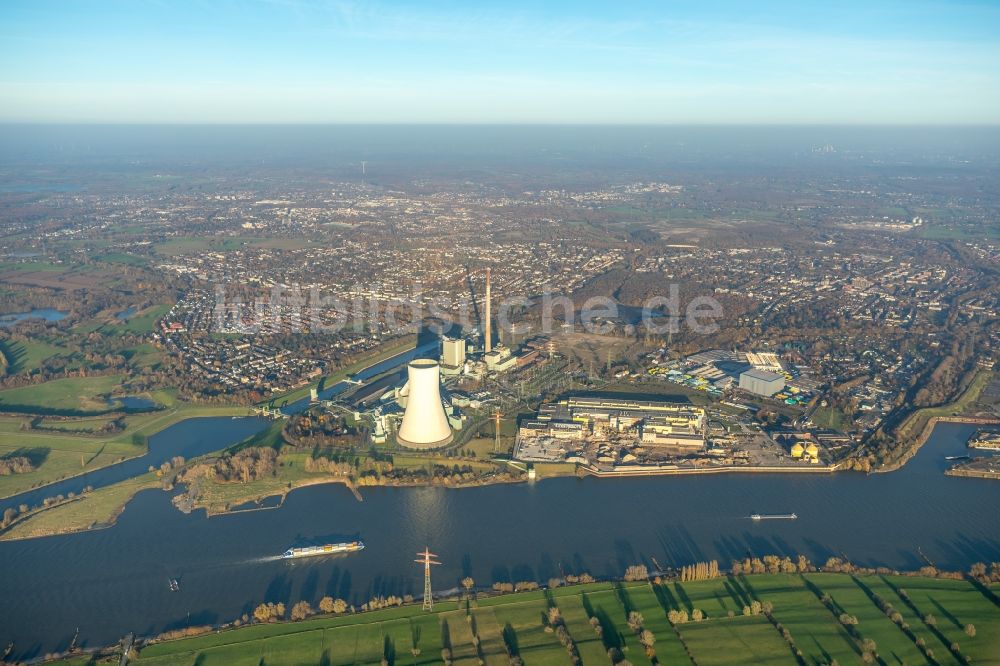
48,314
125,314
109,582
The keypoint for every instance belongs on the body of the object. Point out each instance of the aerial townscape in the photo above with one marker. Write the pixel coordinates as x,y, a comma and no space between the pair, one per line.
503,345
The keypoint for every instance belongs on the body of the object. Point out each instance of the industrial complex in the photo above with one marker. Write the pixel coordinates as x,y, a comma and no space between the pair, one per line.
423,409
608,430
443,399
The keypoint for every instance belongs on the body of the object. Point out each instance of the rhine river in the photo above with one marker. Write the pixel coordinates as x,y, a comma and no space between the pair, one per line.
112,581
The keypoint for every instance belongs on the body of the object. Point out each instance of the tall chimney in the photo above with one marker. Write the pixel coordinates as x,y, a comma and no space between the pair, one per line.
489,327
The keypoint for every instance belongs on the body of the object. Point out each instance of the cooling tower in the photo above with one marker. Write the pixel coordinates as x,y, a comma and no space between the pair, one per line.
425,425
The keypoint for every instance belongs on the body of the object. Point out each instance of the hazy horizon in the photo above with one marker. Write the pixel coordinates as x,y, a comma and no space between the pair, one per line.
313,61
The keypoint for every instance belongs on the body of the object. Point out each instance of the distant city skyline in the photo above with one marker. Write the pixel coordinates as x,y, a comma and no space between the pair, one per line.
312,61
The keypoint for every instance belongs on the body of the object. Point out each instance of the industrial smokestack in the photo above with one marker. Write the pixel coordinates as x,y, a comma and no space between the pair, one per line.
489,326
425,425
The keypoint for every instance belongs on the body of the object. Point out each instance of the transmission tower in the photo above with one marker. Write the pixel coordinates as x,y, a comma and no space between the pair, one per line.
427,561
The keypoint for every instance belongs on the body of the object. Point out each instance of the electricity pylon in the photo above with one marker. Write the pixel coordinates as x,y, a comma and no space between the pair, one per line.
427,562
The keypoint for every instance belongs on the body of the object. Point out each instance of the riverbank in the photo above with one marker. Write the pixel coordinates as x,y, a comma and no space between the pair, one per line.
762,618
217,498
217,505
231,499
924,420
408,469
926,434
66,456
97,509
103,506
100,508
666,470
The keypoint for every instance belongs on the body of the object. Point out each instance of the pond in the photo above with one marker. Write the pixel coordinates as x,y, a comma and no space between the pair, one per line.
47,314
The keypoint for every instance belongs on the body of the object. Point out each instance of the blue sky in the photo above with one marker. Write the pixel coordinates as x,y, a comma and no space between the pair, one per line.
319,61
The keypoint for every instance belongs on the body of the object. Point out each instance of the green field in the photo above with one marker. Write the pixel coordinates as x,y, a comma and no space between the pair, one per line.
33,266
144,355
72,394
954,232
83,425
140,322
484,631
55,455
832,418
122,258
27,355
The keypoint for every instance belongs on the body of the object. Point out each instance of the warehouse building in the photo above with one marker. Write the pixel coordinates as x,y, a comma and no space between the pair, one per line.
761,382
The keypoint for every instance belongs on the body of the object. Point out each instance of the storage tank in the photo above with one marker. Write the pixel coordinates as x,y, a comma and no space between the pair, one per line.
425,425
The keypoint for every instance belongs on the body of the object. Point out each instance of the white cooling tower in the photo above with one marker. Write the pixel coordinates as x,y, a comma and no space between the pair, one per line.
425,425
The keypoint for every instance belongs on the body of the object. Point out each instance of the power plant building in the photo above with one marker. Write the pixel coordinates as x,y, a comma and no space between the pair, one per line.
425,423
499,359
761,382
452,356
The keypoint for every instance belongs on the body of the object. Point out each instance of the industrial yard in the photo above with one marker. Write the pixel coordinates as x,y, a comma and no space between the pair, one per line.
616,436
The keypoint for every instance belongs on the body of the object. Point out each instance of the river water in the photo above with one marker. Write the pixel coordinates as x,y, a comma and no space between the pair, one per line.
112,581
